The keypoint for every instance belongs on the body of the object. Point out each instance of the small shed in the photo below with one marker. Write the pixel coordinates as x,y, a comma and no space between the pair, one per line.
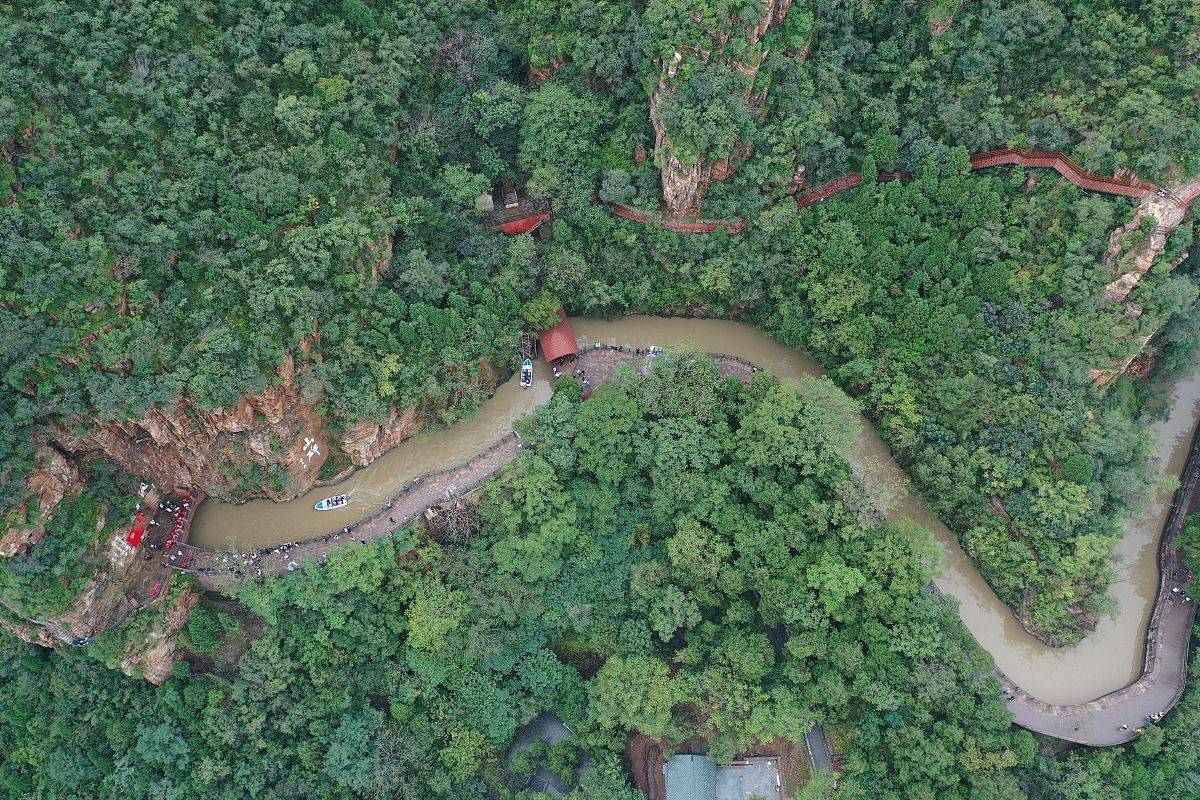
559,342
690,778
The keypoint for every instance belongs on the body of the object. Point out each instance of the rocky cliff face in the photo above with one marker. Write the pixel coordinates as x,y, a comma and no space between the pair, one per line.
153,657
367,441
276,431
539,75
230,452
684,183
54,478
1130,262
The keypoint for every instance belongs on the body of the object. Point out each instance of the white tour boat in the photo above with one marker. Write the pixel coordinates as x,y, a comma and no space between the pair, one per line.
335,502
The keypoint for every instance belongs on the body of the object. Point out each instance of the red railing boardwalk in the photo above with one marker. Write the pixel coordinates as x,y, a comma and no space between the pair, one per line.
1007,156
697,226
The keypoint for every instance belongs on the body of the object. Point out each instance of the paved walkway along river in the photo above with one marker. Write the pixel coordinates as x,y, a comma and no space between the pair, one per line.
1116,717
1132,675
220,569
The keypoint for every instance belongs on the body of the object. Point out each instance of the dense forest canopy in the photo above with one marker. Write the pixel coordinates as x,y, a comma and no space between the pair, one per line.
193,193
699,539
678,521
199,188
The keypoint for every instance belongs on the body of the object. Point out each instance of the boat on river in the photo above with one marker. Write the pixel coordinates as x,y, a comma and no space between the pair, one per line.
1107,660
526,373
335,502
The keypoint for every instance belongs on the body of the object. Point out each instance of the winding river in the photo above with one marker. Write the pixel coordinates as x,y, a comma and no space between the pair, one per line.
1107,660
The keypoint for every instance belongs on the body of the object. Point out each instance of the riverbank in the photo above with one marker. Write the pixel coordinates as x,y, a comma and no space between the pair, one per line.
222,570
1104,663
260,524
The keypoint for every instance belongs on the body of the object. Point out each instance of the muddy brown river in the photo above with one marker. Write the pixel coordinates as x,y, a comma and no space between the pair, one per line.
1108,659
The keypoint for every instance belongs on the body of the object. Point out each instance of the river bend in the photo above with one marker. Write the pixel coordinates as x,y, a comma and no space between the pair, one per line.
1108,659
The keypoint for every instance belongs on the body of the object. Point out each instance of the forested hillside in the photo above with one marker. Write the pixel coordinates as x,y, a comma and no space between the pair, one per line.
685,520
232,227
199,190
967,311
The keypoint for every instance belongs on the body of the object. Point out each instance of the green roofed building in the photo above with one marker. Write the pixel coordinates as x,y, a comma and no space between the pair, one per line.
690,778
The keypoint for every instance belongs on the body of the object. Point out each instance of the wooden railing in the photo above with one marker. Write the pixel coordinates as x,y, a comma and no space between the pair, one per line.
1043,159
842,184
695,226
1035,159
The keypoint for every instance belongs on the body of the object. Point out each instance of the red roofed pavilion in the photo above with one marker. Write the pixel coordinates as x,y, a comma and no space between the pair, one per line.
523,225
136,532
559,342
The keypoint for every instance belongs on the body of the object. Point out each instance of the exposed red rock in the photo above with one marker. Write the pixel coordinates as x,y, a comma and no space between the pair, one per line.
154,657
368,440
53,478
684,183
278,429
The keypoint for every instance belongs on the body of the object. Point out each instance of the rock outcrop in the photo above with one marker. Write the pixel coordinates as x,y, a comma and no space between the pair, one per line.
539,75
1165,210
940,26
231,451
270,444
154,657
683,185
1167,213
277,431
54,477
368,440
685,181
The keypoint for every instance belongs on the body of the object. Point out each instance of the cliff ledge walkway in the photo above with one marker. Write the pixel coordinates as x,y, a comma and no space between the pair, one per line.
1184,195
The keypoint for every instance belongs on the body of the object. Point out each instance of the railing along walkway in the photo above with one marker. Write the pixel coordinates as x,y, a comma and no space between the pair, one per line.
1007,156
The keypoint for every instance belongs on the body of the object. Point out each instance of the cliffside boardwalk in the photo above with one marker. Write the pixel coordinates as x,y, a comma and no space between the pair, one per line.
1008,156
1094,723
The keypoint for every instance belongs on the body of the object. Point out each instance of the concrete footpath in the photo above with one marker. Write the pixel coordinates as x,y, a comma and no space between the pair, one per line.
818,748
1116,717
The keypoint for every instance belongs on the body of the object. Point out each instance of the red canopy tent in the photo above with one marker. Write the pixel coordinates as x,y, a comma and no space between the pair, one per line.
559,341
137,531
